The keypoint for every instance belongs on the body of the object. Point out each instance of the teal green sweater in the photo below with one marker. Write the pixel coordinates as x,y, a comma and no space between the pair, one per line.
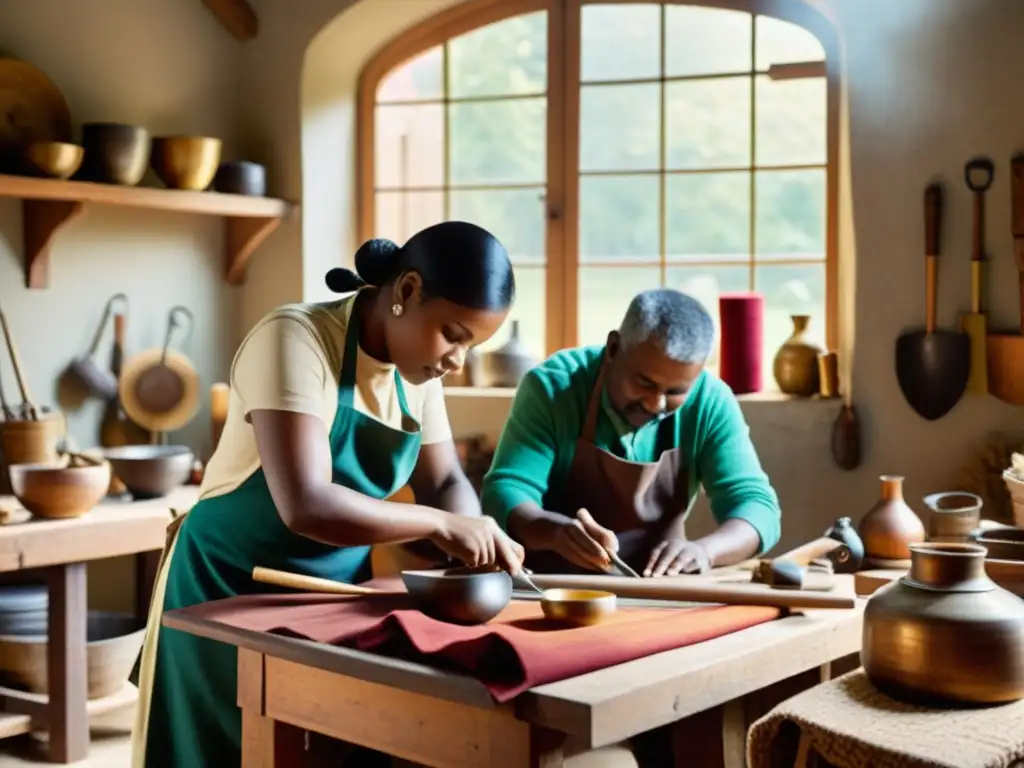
539,441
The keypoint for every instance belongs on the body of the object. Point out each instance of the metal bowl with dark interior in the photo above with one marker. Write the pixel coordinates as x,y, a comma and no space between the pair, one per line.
460,595
151,471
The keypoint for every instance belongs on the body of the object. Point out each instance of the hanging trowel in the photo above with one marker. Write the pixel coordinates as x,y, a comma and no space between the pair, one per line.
978,174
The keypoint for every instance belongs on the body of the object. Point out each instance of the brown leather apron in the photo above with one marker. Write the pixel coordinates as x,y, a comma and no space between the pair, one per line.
636,500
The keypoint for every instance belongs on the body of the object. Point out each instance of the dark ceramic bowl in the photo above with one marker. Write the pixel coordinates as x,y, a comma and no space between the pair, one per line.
23,609
241,178
113,642
1003,543
460,595
115,153
151,471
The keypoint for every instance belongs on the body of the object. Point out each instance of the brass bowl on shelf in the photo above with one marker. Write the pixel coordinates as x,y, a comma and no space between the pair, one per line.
55,159
578,607
186,162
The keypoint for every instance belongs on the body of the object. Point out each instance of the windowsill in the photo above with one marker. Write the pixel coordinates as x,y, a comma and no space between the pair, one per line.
481,392
758,398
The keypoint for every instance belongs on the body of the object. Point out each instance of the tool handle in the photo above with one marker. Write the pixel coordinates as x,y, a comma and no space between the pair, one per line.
802,555
19,371
1017,195
812,550
1018,247
310,583
932,219
932,232
686,589
979,173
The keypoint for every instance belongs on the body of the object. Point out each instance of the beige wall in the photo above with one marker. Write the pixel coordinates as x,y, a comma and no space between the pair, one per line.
167,65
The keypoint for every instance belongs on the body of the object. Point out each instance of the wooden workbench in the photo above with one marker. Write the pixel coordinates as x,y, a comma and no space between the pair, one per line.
711,691
60,550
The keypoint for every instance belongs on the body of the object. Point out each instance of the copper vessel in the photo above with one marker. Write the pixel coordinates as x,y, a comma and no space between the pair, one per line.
890,526
945,634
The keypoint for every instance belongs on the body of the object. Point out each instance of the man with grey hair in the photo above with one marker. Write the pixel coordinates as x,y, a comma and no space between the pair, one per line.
606,447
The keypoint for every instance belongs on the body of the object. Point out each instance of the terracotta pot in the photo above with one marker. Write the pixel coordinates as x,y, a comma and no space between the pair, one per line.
955,515
945,634
796,363
506,366
890,526
54,492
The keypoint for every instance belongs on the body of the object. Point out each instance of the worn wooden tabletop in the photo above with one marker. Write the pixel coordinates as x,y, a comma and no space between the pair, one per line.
111,529
609,705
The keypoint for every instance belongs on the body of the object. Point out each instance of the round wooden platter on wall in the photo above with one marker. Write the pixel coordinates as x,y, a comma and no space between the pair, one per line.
32,108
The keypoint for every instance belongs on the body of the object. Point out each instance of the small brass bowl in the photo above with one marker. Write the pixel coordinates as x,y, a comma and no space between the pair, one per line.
186,162
55,159
579,607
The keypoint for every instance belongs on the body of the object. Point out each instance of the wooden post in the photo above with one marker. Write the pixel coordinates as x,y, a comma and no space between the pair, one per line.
66,664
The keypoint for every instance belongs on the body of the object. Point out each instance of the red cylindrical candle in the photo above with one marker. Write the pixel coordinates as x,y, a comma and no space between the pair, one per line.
741,348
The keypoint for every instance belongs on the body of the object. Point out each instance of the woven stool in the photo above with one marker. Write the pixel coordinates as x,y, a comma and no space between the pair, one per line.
847,723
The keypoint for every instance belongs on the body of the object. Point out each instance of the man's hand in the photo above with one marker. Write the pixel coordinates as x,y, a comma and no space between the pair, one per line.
675,556
583,542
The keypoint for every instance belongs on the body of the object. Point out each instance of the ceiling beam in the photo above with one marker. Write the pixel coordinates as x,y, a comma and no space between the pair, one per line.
236,16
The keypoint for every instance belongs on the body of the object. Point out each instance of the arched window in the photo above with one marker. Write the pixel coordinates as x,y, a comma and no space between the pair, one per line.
613,147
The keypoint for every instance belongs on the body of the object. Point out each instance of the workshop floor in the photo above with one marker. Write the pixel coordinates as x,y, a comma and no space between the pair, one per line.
110,748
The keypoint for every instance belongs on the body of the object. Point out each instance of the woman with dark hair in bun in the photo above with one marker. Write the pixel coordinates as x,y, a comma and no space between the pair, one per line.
333,408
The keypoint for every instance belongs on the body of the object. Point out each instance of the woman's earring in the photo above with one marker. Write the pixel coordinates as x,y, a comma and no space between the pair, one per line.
397,310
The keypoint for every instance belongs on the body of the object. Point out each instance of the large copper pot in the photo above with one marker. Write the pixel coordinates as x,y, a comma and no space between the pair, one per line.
945,634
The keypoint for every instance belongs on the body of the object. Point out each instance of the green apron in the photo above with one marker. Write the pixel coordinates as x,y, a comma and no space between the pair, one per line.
194,720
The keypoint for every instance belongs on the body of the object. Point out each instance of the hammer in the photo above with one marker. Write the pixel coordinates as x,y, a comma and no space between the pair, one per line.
839,550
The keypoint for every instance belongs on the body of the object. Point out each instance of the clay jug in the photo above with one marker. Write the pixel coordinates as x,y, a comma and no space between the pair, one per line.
507,365
890,527
796,363
945,634
955,516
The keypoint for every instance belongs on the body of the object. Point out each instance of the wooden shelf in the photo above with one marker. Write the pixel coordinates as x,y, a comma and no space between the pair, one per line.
25,712
48,205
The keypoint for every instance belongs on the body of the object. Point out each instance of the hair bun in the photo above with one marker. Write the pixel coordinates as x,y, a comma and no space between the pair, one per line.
377,260
341,280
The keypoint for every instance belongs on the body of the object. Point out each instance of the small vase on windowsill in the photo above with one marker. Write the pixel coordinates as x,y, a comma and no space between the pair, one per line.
796,363
506,366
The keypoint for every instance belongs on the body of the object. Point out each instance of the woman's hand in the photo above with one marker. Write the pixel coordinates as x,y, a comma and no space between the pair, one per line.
478,541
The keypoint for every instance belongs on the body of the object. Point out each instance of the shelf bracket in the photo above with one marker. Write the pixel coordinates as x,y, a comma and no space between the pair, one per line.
242,236
41,220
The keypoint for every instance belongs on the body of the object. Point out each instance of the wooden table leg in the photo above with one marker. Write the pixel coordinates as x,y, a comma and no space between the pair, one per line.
268,744
66,664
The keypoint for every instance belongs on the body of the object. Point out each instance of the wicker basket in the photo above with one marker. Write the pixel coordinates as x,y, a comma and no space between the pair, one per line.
1016,489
